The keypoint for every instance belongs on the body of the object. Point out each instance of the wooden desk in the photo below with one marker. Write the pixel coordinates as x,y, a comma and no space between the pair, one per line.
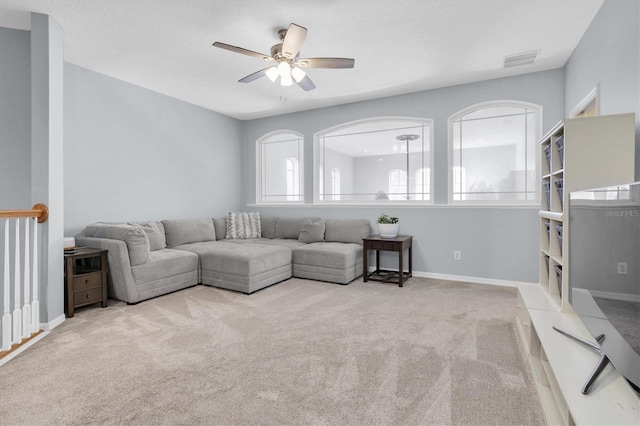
398,244
85,278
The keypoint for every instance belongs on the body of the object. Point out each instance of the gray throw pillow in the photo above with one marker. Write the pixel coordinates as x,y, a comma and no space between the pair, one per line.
155,233
312,231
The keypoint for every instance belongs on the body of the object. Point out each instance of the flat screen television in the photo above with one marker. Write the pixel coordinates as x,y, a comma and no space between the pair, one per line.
604,273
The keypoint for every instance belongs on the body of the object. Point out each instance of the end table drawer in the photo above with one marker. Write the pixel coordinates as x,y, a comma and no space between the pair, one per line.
381,245
85,297
86,281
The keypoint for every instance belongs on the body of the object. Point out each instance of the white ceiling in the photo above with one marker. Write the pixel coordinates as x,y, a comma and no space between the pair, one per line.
399,46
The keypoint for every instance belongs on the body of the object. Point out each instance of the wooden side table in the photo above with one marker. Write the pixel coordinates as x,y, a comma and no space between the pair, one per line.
398,244
85,278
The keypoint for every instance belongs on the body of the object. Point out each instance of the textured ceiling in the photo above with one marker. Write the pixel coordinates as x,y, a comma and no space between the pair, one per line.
399,46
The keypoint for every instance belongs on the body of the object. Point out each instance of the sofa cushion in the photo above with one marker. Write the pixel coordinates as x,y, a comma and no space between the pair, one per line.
281,242
164,264
339,256
133,236
268,225
290,227
312,231
347,230
155,233
243,225
184,231
220,224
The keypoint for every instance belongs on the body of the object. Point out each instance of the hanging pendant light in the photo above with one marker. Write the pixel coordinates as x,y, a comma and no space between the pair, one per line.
406,139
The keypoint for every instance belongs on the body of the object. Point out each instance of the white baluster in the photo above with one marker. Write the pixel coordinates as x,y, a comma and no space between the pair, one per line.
35,304
6,286
26,299
17,314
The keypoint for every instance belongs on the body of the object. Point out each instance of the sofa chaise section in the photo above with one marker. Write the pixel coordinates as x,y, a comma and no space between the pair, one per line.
337,257
136,272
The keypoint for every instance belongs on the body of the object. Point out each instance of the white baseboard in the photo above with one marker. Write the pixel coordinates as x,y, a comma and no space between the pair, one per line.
22,348
461,278
46,328
616,296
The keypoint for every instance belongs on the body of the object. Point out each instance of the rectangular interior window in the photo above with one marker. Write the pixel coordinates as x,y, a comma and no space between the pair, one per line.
375,161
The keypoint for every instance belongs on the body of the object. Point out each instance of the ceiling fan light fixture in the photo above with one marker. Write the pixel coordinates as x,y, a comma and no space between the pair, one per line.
286,80
284,69
272,73
297,74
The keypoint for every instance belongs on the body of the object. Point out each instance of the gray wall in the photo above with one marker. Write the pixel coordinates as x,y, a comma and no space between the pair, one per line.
133,154
608,55
496,243
15,119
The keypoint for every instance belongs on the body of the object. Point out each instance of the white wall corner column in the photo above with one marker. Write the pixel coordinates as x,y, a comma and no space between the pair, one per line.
47,174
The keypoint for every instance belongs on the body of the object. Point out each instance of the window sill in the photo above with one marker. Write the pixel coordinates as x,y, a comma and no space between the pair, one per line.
535,207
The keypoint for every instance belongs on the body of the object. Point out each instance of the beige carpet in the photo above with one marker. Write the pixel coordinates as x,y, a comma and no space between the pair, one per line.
300,352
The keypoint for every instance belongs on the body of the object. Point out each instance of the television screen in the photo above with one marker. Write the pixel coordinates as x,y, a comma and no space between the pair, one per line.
604,271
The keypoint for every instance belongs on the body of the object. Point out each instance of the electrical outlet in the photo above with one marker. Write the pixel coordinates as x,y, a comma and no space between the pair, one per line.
457,255
622,268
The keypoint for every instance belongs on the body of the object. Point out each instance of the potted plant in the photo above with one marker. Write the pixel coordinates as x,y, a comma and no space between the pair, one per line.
388,226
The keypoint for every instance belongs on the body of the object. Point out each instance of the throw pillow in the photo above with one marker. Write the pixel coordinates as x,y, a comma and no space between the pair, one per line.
155,233
312,231
241,225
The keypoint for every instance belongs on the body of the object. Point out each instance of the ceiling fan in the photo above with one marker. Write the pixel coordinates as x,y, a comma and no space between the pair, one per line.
286,63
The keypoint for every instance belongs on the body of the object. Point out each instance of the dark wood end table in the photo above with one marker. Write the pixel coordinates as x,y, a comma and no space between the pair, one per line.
85,278
398,244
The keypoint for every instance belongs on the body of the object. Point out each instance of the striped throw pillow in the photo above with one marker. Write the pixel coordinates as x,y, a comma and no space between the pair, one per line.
241,225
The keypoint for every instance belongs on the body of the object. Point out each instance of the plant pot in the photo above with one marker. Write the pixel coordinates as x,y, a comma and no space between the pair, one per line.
388,230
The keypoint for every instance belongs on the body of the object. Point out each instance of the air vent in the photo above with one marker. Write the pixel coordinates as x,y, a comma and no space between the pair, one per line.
518,59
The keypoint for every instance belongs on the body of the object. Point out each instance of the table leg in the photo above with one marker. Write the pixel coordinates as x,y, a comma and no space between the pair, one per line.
410,261
365,263
104,266
68,286
377,260
400,268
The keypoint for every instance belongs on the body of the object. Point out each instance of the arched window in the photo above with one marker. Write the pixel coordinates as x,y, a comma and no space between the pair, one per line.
422,184
279,174
459,184
398,189
321,182
493,150
335,183
293,179
358,159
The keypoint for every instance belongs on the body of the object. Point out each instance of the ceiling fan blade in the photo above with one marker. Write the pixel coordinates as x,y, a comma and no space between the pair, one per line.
256,75
293,41
306,83
243,51
326,62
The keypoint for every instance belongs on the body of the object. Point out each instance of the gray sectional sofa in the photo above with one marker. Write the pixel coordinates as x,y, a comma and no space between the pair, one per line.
148,259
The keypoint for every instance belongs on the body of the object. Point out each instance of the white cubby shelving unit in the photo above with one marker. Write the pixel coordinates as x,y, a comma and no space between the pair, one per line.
577,154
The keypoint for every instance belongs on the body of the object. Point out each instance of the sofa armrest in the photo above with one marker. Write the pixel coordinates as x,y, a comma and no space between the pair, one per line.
121,283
